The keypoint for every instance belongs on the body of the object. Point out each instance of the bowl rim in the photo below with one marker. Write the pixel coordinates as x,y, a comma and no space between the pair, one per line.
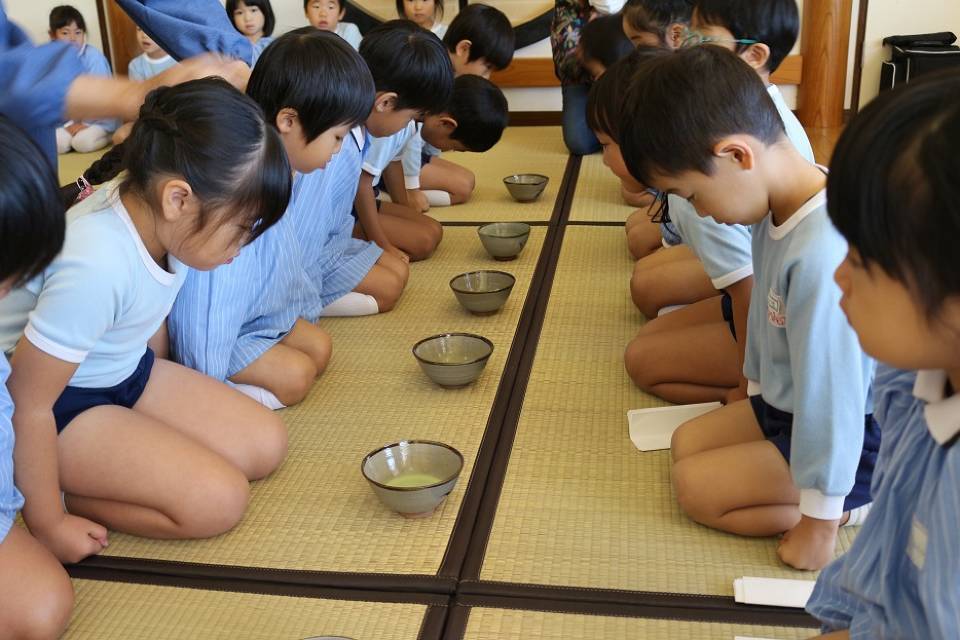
535,175
453,364
490,224
363,464
513,281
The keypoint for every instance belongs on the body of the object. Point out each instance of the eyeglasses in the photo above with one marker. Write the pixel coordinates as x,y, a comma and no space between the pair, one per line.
693,38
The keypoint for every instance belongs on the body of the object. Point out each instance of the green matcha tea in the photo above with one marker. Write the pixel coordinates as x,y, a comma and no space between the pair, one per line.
409,480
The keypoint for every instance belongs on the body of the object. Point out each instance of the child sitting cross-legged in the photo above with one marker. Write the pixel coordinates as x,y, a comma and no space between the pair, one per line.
796,457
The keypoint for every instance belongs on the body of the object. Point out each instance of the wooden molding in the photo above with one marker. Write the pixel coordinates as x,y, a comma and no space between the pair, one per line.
538,72
123,35
826,29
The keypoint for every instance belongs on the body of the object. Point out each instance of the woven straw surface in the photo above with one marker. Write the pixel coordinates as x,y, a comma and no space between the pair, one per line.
502,624
521,150
581,506
597,198
110,610
317,512
72,165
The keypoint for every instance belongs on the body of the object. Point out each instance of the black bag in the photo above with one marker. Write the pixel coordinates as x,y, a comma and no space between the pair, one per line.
917,54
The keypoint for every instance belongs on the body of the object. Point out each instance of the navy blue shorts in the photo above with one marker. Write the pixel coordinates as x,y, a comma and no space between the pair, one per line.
726,308
777,426
75,400
425,159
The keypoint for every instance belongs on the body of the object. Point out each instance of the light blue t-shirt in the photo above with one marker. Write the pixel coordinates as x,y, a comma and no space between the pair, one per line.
258,48
144,67
103,297
803,357
385,150
439,29
901,577
724,249
349,32
794,129
11,499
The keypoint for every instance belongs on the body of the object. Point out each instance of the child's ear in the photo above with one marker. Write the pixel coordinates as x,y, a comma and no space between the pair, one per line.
176,200
385,102
287,119
756,55
462,49
448,123
343,12
674,35
736,149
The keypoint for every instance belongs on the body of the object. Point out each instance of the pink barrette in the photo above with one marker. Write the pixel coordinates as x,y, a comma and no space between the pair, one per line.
86,189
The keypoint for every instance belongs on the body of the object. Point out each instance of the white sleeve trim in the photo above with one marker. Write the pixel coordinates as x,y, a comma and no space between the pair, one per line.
52,348
607,7
372,170
753,388
733,277
411,182
666,245
817,505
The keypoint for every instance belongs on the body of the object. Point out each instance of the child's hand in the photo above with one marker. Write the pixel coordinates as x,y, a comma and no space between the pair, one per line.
398,253
641,200
75,128
809,545
73,538
417,200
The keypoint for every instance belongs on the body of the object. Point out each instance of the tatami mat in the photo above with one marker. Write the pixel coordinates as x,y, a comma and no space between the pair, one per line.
502,624
581,507
597,198
72,165
521,150
110,610
317,512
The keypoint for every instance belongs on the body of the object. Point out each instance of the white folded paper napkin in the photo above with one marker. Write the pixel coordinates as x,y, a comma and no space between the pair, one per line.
773,592
651,429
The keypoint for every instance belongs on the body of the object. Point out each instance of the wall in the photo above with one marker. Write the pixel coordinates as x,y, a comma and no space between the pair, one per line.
895,17
33,16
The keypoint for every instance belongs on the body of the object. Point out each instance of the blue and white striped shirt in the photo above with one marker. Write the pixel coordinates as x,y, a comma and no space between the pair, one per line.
901,577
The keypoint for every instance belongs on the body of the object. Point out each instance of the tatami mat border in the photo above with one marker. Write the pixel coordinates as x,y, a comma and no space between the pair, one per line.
518,364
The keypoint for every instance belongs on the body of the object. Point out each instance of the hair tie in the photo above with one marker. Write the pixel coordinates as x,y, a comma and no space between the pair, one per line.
86,189
162,123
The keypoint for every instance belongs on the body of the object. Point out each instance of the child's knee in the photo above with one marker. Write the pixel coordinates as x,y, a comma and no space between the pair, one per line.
692,495
216,506
684,442
463,187
271,447
391,291
44,618
643,290
299,376
639,363
425,243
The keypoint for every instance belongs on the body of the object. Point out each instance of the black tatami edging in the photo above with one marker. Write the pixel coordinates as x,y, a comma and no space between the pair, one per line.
465,527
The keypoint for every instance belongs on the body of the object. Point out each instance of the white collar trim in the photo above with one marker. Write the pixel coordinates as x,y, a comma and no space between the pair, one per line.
165,59
161,275
811,205
942,414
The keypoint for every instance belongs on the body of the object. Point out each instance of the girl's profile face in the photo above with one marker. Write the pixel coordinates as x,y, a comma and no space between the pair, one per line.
420,11
206,247
891,323
613,159
325,14
249,20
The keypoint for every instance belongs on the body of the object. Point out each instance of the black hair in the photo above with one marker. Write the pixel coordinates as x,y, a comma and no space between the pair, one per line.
32,222
481,112
410,61
654,16
437,10
775,23
306,3
318,74
602,39
216,139
269,21
605,101
679,105
489,31
63,15
893,191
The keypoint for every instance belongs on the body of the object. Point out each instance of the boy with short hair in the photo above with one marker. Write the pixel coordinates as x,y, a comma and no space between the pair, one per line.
473,121
413,76
480,40
797,457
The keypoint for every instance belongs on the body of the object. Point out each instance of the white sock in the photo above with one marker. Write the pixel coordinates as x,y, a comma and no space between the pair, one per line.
858,515
351,304
261,395
437,198
670,309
